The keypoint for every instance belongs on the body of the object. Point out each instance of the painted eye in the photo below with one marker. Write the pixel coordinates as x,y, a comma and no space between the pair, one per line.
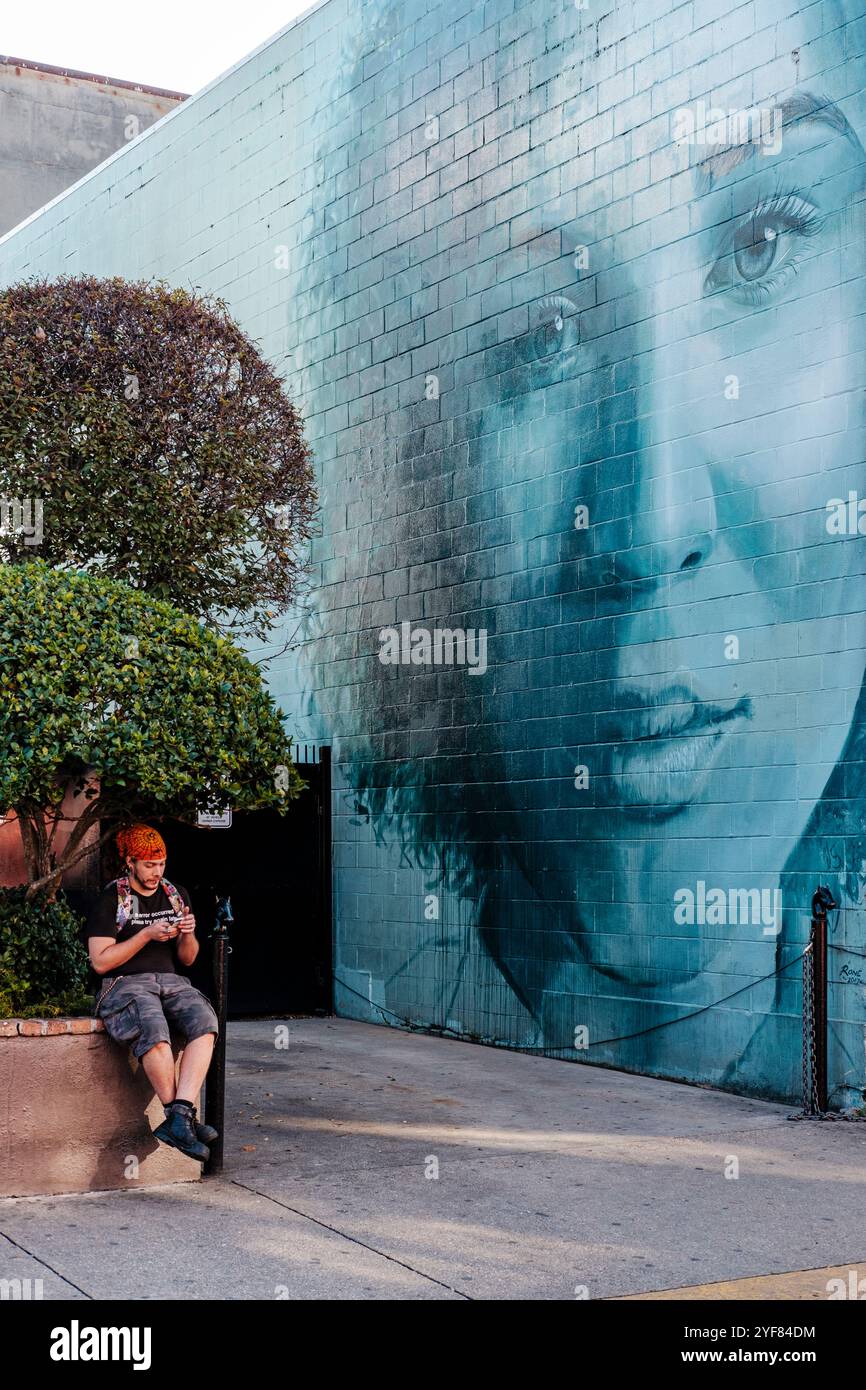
764,248
556,324
755,248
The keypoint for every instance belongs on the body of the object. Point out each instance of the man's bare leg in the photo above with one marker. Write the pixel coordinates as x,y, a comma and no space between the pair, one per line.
193,1068
158,1063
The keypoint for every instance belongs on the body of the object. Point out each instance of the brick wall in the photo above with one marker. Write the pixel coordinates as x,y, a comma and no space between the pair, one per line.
573,301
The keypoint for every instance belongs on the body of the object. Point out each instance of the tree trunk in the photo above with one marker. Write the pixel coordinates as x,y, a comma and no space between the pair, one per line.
45,867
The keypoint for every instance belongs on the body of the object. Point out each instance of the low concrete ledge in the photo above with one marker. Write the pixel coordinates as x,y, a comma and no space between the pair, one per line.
77,1111
48,1027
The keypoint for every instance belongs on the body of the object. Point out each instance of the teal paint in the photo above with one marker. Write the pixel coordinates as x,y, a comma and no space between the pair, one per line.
573,305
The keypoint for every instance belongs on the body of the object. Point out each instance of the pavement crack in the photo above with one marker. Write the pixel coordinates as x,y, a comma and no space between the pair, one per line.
39,1260
354,1239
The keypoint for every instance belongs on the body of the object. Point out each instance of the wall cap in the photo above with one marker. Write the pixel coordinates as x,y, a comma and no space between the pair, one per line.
48,1027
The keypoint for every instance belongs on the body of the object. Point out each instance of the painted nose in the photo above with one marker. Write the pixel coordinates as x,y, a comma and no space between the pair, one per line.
672,526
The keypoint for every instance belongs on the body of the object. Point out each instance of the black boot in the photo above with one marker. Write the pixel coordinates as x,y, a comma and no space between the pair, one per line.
205,1133
177,1130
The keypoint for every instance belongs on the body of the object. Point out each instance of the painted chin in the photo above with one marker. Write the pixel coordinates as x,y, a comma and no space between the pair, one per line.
639,977
665,775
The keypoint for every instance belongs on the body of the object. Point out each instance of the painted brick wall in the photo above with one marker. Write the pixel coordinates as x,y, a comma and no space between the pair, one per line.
573,301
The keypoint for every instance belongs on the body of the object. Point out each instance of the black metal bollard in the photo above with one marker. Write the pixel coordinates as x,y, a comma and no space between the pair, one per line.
822,901
215,1086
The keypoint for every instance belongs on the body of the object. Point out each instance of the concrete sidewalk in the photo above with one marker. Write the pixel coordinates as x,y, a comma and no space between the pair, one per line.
552,1177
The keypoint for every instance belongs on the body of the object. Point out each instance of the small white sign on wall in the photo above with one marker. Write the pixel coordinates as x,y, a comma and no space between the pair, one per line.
215,820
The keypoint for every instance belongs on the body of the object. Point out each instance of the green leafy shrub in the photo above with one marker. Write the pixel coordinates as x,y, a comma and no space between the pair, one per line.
139,707
43,965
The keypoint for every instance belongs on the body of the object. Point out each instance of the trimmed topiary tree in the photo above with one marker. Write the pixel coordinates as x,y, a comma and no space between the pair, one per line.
140,708
159,444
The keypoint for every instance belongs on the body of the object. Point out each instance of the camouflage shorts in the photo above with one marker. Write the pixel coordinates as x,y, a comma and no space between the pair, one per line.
140,1011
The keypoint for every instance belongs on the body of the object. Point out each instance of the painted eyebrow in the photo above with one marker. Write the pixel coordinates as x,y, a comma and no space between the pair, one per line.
802,106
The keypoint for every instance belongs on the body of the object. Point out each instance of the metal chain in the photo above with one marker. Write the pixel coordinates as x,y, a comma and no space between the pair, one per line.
813,1046
807,997
811,1109
810,1070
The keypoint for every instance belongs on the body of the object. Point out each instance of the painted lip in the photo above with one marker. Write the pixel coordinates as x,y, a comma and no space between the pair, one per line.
677,712
678,742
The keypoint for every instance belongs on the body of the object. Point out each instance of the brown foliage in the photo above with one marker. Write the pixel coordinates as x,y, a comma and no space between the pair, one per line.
161,444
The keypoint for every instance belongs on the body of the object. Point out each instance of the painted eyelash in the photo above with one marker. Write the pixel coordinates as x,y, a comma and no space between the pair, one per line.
788,205
558,302
782,205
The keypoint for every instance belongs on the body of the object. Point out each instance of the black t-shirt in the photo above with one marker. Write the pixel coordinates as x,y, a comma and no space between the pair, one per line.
155,955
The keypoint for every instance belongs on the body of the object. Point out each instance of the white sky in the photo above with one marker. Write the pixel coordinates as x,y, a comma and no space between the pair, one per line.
180,44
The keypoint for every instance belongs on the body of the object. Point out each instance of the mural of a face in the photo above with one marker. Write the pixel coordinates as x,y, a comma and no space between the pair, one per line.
602,409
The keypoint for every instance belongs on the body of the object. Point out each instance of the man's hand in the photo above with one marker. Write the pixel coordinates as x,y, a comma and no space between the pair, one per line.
163,930
187,941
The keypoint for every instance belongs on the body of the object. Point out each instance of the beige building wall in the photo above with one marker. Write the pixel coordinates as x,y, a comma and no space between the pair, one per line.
57,124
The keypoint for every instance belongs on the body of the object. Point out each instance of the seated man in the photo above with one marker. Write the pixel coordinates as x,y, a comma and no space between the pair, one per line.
139,931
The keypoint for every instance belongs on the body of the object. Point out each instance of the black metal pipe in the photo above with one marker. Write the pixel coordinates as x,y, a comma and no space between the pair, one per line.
326,872
215,1086
822,899
819,966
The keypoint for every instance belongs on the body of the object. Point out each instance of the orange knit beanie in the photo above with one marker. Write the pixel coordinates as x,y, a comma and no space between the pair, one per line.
140,842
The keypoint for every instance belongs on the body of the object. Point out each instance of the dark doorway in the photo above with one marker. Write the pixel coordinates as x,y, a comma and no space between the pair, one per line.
277,872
